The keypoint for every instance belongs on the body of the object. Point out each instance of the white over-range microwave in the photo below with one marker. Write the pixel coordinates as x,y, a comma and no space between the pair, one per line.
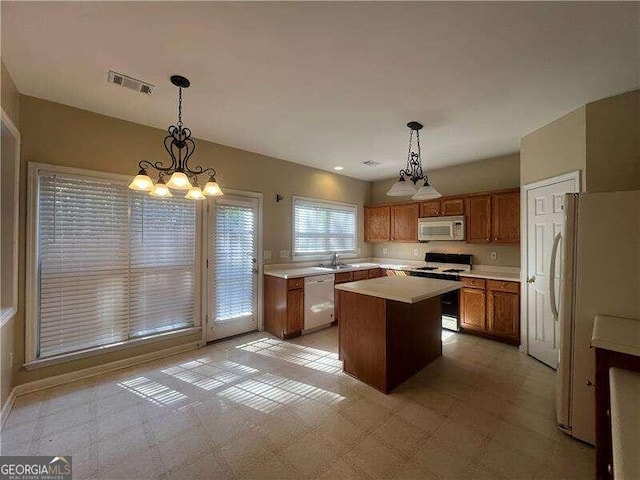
440,228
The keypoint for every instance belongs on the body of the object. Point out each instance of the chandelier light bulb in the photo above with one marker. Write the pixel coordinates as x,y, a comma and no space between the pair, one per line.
179,181
160,189
212,189
195,193
402,188
142,182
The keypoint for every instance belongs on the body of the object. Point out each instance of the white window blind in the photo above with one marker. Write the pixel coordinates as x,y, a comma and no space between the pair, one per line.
97,285
235,250
321,227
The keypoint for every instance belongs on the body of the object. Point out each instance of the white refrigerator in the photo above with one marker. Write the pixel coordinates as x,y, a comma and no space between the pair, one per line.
600,274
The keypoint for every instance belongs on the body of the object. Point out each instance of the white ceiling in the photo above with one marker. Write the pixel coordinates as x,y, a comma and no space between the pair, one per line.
326,84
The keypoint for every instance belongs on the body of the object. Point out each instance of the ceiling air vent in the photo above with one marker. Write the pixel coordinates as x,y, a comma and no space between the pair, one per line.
371,163
130,83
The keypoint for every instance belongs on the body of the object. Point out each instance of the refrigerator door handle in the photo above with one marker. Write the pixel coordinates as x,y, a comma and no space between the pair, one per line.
552,277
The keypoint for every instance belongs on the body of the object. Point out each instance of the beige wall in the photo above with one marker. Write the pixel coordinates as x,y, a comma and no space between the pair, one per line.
613,143
10,99
61,135
479,176
556,148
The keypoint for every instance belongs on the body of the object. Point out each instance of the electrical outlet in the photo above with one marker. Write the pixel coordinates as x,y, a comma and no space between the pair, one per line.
415,252
359,250
385,251
284,253
267,254
494,255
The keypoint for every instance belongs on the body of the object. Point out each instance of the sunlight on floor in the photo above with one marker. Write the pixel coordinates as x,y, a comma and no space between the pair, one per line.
154,392
300,355
209,376
269,392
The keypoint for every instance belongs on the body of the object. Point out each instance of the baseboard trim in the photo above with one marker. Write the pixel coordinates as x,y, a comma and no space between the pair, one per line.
8,405
84,373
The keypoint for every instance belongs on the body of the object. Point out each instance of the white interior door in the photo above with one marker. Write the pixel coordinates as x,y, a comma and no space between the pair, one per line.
233,259
545,224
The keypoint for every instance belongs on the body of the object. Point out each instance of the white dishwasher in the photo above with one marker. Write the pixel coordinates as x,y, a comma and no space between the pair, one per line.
318,301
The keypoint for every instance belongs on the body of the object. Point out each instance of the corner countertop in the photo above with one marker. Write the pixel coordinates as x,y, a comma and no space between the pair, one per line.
401,288
616,334
509,274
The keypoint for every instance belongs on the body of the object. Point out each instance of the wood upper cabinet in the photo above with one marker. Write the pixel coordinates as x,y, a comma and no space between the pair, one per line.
404,222
505,213
452,206
478,218
430,209
473,308
377,224
295,311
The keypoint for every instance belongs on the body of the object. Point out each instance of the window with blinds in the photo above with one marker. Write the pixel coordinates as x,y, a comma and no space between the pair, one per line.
113,264
323,227
235,243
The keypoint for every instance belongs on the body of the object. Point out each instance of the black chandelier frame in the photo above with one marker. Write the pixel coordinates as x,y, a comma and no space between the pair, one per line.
179,145
413,170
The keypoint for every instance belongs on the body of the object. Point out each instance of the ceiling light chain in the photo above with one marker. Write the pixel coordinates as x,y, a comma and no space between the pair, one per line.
180,146
410,176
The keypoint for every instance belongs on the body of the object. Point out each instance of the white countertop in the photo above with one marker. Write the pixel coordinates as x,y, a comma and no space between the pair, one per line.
616,334
510,274
401,288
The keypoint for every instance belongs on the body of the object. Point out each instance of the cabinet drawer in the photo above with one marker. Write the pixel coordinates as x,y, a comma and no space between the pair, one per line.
360,275
375,273
294,283
473,282
502,286
343,277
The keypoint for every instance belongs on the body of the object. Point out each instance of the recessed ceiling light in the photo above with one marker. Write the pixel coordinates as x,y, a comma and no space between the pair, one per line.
338,168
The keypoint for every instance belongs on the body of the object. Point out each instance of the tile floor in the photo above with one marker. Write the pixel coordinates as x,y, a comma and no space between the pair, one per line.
258,408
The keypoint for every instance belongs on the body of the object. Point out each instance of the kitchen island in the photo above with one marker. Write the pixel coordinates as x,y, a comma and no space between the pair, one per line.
390,327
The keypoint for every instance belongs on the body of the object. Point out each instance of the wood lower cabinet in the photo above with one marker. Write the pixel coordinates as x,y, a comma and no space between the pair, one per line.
377,224
473,305
491,308
478,218
283,306
404,222
505,217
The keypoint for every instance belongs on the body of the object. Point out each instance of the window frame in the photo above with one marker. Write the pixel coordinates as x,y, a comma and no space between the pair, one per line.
9,313
320,202
32,292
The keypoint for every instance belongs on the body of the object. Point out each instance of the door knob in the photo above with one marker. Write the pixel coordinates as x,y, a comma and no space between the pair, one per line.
531,279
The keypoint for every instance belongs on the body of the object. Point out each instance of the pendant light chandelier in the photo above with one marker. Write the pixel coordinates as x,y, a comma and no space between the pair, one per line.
182,177
413,181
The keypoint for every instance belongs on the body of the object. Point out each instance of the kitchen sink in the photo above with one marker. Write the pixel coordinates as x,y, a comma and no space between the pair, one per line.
336,267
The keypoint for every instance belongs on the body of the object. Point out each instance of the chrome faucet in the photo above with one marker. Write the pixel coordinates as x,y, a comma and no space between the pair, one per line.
334,259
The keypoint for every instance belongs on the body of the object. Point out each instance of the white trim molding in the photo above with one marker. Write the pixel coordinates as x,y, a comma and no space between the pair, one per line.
576,176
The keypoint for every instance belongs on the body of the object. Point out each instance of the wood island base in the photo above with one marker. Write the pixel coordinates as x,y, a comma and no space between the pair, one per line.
384,342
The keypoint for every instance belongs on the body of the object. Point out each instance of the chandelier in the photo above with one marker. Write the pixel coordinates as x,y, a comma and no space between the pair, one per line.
413,181
182,177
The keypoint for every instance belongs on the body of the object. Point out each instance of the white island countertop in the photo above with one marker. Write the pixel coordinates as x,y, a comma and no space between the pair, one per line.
617,334
401,288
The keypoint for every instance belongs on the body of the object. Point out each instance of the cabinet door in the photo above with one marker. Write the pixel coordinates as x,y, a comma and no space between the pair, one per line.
505,210
295,310
430,209
452,206
360,275
404,222
504,314
377,224
478,218
473,309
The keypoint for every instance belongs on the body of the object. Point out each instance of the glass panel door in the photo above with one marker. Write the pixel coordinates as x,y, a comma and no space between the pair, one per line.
233,266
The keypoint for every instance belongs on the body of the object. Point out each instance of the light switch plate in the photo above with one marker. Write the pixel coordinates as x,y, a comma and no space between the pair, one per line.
284,253
494,255
385,251
267,255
